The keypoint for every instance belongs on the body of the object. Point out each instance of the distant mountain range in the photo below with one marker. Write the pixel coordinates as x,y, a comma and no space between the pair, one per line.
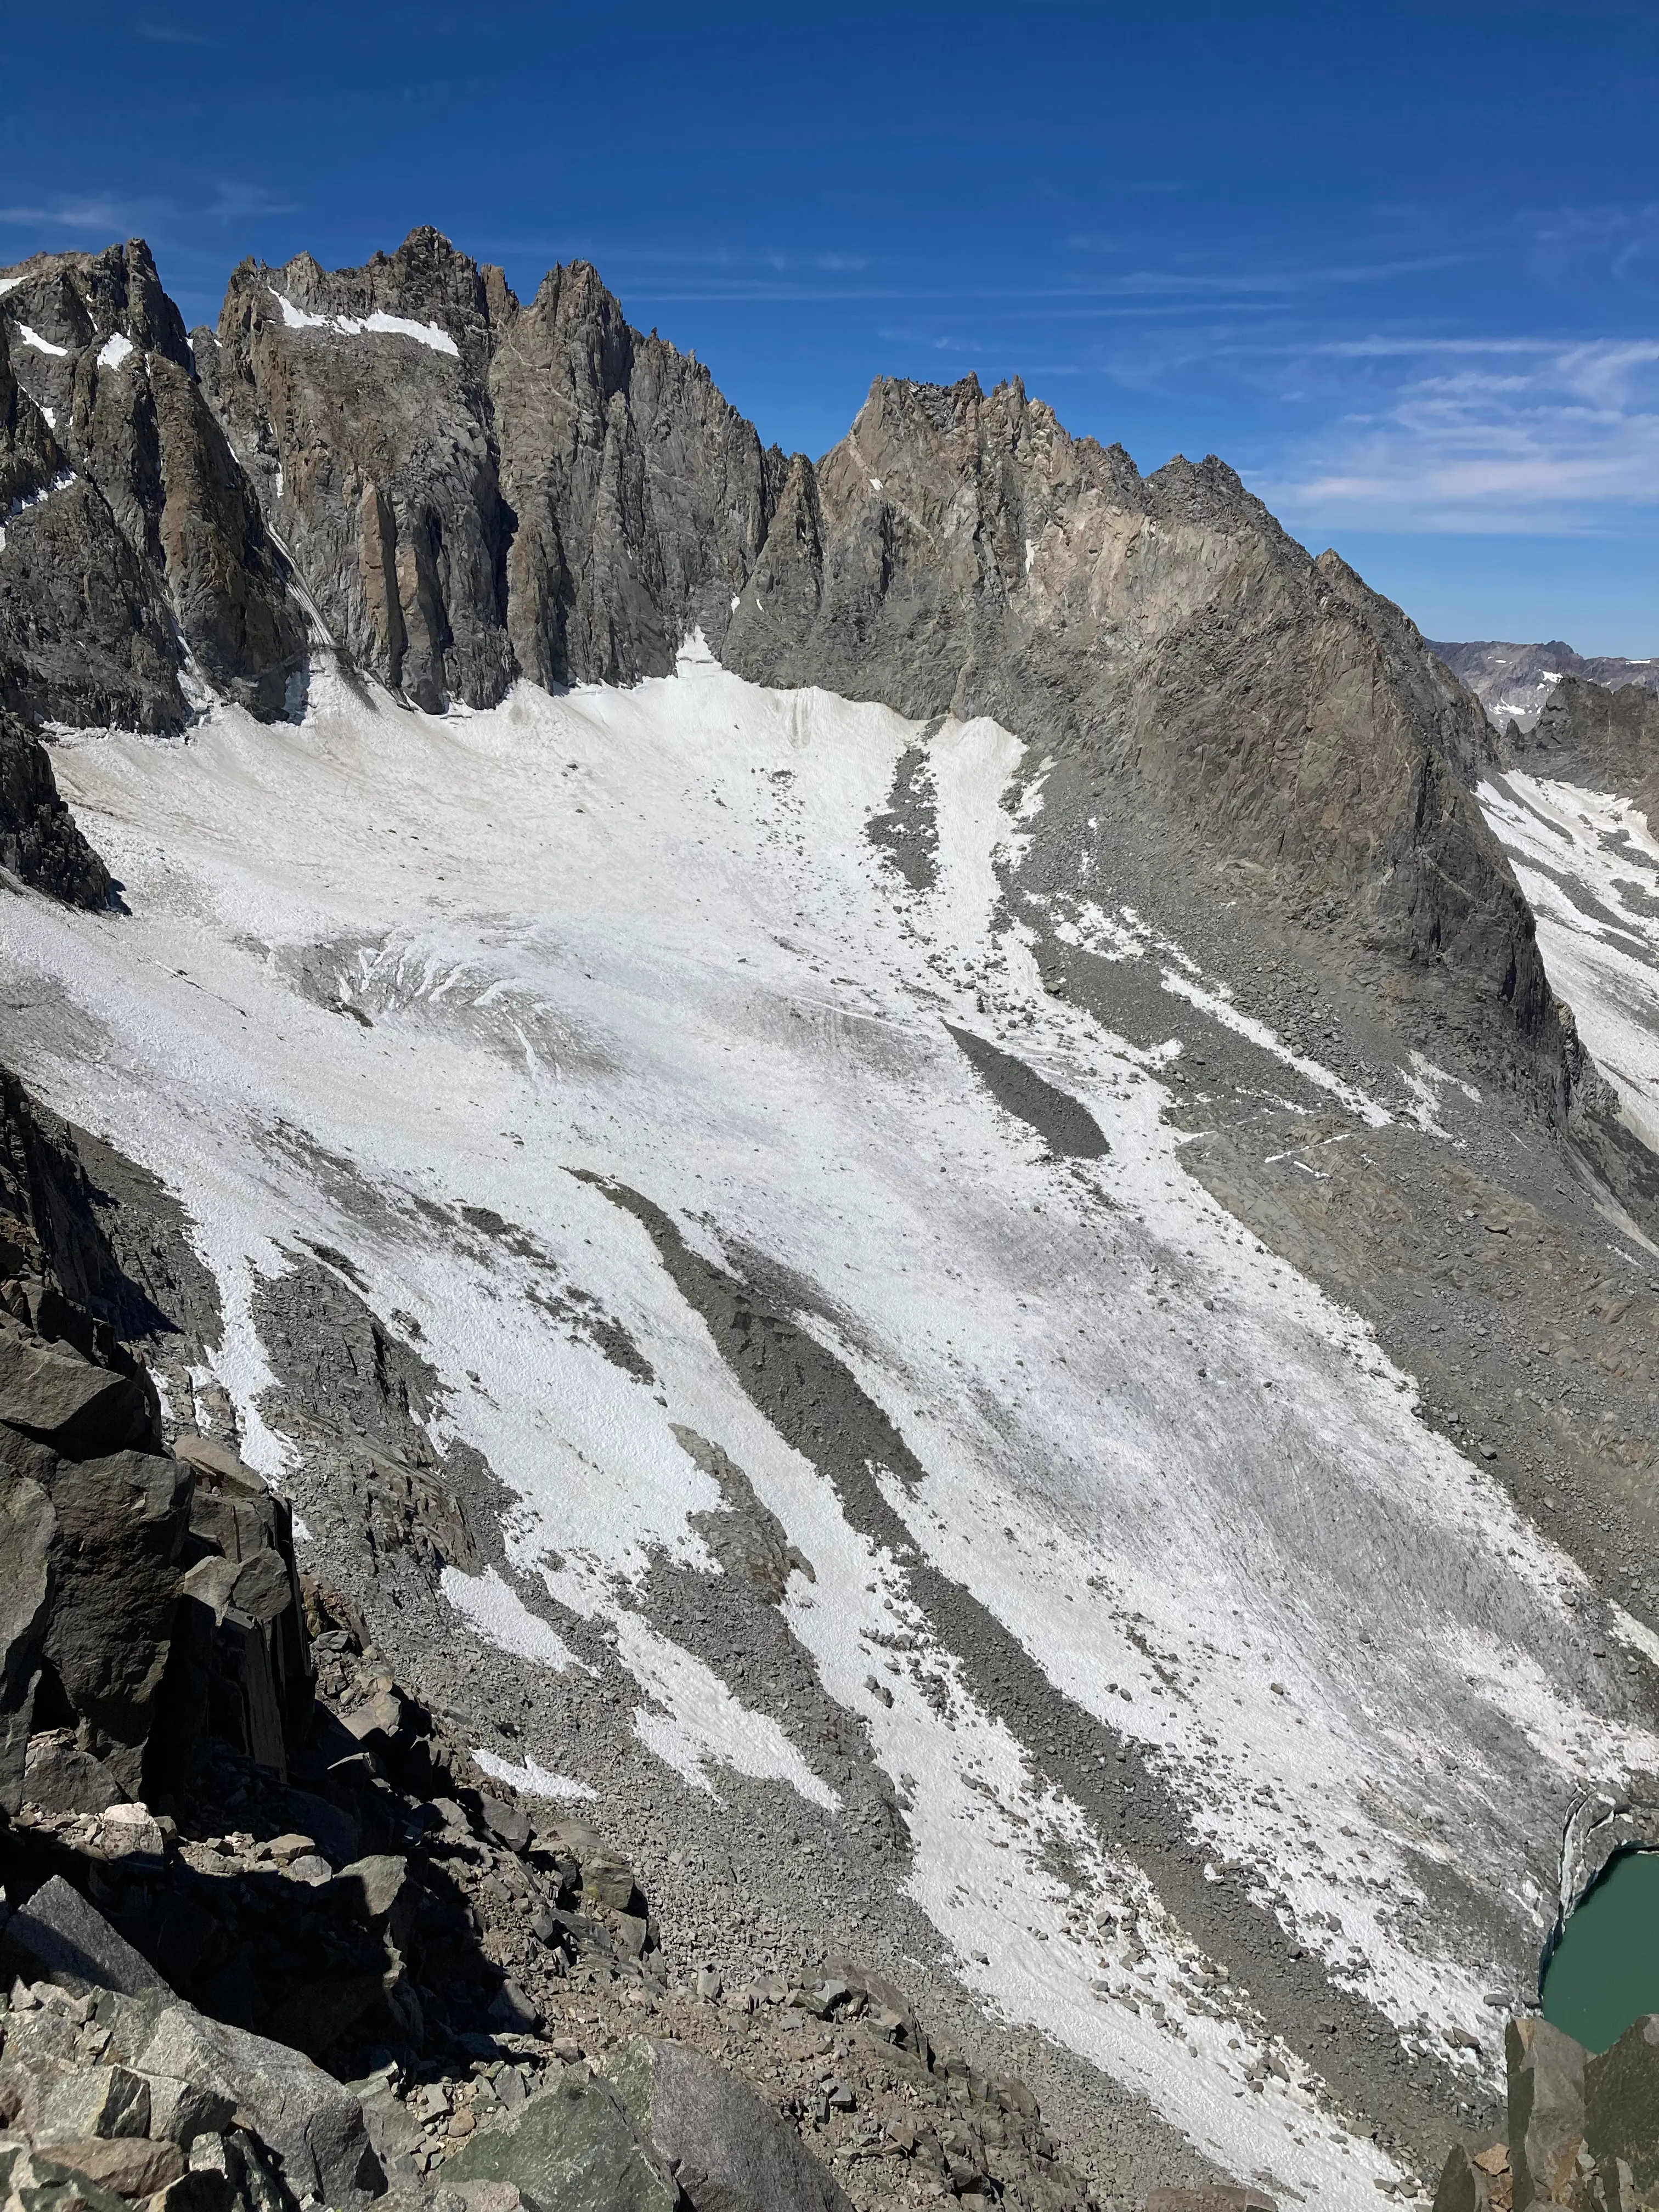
1512,682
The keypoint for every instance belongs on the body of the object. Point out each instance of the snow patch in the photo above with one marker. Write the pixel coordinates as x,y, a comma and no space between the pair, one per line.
41,345
532,1779
116,348
693,1720
498,1610
378,323
1589,864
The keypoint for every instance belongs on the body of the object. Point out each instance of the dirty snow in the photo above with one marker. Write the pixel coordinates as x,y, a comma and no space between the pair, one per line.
643,935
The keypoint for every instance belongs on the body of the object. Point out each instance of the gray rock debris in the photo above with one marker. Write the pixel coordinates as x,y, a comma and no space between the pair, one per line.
313,2124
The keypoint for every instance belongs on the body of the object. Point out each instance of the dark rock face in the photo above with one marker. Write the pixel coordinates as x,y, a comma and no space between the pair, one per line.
473,490
38,841
157,1604
85,635
958,552
105,359
1592,735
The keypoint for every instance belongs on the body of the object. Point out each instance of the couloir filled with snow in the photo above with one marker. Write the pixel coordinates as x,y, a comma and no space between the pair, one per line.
644,934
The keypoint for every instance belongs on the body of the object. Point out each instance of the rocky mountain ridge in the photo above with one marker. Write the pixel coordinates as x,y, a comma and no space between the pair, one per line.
1514,683
1591,734
137,562
458,490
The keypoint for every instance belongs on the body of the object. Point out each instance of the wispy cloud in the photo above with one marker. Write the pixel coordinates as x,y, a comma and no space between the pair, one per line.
1574,244
163,31
103,218
1555,435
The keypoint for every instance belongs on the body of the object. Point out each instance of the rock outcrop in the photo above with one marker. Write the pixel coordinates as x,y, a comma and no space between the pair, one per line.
1589,735
958,553
1582,2127
40,844
141,562
473,490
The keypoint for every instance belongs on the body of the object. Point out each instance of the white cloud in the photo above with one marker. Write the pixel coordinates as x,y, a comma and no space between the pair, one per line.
1522,433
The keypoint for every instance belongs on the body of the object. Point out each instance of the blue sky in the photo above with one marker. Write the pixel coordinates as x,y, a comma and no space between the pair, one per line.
1399,264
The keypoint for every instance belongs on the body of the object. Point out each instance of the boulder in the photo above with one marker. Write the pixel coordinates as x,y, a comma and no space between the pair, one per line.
44,2184
569,2149
179,2111
314,2126
60,1777
729,2151
1463,2186
82,1410
126,2166
121,1521
74,1942
1621,2107
1546,2109
94,2100
28,1528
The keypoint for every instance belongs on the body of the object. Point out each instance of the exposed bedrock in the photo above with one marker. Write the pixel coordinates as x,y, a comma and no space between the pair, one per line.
473,489
959,552
145,551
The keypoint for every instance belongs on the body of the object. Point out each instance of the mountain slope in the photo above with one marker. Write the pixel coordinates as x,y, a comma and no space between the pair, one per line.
473,490
628,1138
919,1249
959,552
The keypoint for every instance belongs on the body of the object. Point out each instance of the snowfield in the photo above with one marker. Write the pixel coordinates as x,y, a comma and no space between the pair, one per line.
1589,867
643,936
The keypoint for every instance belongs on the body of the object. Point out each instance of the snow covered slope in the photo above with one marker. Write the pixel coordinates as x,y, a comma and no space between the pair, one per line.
1590,866
387,976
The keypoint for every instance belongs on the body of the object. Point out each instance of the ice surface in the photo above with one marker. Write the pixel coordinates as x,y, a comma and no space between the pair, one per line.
643,936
